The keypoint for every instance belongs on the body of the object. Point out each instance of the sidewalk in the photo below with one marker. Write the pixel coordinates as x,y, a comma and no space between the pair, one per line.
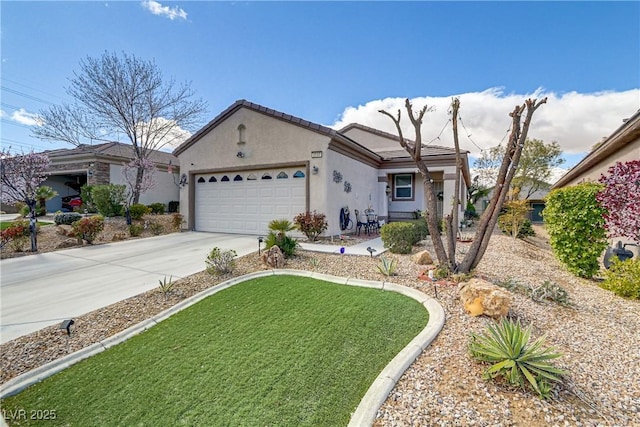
359,249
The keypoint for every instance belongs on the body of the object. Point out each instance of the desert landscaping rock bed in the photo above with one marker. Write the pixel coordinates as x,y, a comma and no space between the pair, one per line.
597,334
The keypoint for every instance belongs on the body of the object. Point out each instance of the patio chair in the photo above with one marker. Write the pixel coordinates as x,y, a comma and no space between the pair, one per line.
361,221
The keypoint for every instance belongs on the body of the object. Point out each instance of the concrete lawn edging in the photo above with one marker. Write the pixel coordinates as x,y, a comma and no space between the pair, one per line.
365,413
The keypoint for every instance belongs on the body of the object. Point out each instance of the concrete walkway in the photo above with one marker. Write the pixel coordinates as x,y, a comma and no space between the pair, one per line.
41,290
359,249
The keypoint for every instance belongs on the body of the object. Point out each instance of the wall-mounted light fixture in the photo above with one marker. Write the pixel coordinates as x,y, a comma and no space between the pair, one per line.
240,155
388,190
314,170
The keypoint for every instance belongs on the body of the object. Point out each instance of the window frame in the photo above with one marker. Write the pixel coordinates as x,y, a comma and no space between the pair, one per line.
411,186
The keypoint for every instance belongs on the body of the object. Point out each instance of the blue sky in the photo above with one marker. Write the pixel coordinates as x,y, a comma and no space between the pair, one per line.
336,62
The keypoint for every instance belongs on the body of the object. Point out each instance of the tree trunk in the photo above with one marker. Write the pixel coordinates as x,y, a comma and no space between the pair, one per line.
453,221
505,176
31,203
136,190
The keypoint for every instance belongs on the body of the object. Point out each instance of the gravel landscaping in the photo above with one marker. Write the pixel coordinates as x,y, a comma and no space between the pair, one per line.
597,334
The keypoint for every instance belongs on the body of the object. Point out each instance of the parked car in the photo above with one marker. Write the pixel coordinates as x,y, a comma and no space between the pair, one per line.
74,200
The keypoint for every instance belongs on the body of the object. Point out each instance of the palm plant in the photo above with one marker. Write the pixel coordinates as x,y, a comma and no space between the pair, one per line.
278,237
44,193
506,346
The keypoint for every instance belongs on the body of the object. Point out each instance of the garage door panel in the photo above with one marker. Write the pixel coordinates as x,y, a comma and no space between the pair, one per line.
247,206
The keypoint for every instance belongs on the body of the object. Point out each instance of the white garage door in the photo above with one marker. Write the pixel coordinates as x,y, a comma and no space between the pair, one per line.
245,202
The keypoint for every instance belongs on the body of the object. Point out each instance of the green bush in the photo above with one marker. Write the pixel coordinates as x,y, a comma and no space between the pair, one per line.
156,228
109,199
623,278
173,206
399,237
220,262
16,235
525,230
88,228
137,211
135,230
87,199
156,208
278,237
506,346
420,228
66,218
575,222
312,224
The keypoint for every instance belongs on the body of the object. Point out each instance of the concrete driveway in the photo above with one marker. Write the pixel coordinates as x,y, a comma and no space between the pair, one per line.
41,290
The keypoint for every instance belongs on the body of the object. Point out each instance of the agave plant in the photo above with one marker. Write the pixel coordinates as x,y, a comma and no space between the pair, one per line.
387,266
506,345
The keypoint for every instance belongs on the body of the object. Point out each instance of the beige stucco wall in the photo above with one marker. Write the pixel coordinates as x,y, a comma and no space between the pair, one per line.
164,190
365,189
628,152
269,142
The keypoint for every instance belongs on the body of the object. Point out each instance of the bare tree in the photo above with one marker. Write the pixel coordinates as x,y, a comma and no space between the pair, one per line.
123,95
508,167
20,176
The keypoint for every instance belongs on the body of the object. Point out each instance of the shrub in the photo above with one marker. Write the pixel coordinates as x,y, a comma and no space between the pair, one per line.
278,237
135,230
506,346
513,220
220,262
156,228
137,211
623,278
176,221
420,228
66,218
87,199
620,197
312,224
546,291
575,222
399,237
88,228
173,206
287,244
109,199
156,208
16,235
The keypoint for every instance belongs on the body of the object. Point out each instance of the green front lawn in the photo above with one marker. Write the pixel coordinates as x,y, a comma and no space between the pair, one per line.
272,351
7,224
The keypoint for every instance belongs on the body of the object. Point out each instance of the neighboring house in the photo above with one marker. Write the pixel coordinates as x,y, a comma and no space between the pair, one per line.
252,164
535,199
72,168
622,145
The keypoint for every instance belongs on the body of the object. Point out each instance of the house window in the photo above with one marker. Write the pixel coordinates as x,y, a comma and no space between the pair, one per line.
241,130
237,178
251,177
266,176
201,179
282,175
403,187
298,174
213,179
225,178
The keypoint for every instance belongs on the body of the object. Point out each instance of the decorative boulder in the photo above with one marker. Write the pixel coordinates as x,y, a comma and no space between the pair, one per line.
481,297
67,243
273,257
422,258
64,230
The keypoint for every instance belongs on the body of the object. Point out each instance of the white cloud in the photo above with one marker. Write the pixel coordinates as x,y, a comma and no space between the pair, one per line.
23,117
166,11
2,113
575,120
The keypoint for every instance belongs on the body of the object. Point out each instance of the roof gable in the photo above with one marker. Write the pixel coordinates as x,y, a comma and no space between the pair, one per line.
115,150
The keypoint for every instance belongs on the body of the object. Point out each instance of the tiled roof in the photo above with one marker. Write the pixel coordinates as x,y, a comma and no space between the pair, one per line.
243,103
109,149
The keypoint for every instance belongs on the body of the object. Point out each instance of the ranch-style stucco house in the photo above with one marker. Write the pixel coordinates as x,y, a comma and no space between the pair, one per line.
71,168
252,164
